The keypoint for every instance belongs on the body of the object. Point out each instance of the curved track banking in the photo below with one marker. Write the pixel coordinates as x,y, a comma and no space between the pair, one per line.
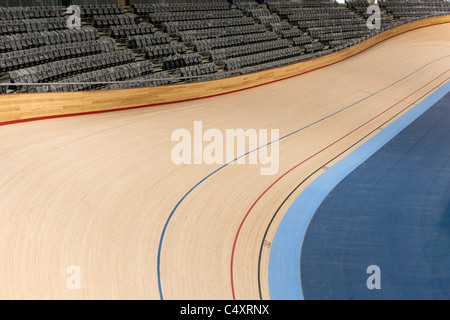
284,137
99,191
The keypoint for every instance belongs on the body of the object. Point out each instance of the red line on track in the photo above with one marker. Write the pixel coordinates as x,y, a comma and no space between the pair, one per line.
299,164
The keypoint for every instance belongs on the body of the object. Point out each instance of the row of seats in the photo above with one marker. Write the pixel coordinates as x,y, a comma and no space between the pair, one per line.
340,43
59,69
193,35
210,44
300,41
258,13
118,32
181,60
415,13
261,58
26,58
8,27
279,27
232,52
287,11
115,20
142,41
313,47
46,38
412,10
177,26
20,13
99,78
326,23
411,3
213,76
198,70
344,35
274,5
296,17
318,31
151,80
268,20
145,9
246,5
159,18
105,9
160,51
283,62
291,33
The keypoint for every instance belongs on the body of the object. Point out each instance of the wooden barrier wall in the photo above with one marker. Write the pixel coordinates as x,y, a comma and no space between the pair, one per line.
24,107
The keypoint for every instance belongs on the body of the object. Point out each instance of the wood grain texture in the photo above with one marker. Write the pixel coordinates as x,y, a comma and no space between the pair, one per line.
96,191
29,106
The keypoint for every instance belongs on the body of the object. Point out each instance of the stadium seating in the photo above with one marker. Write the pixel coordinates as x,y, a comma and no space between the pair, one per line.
22,59
155,42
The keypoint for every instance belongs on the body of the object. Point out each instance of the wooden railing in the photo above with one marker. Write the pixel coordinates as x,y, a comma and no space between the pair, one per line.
25,107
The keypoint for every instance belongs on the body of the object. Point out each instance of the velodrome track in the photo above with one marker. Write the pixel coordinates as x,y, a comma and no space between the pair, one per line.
101,192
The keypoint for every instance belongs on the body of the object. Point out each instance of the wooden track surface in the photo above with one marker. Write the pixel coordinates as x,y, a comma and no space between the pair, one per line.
96,191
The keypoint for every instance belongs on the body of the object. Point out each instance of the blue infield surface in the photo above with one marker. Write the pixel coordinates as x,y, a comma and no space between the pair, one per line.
393,212
387,204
